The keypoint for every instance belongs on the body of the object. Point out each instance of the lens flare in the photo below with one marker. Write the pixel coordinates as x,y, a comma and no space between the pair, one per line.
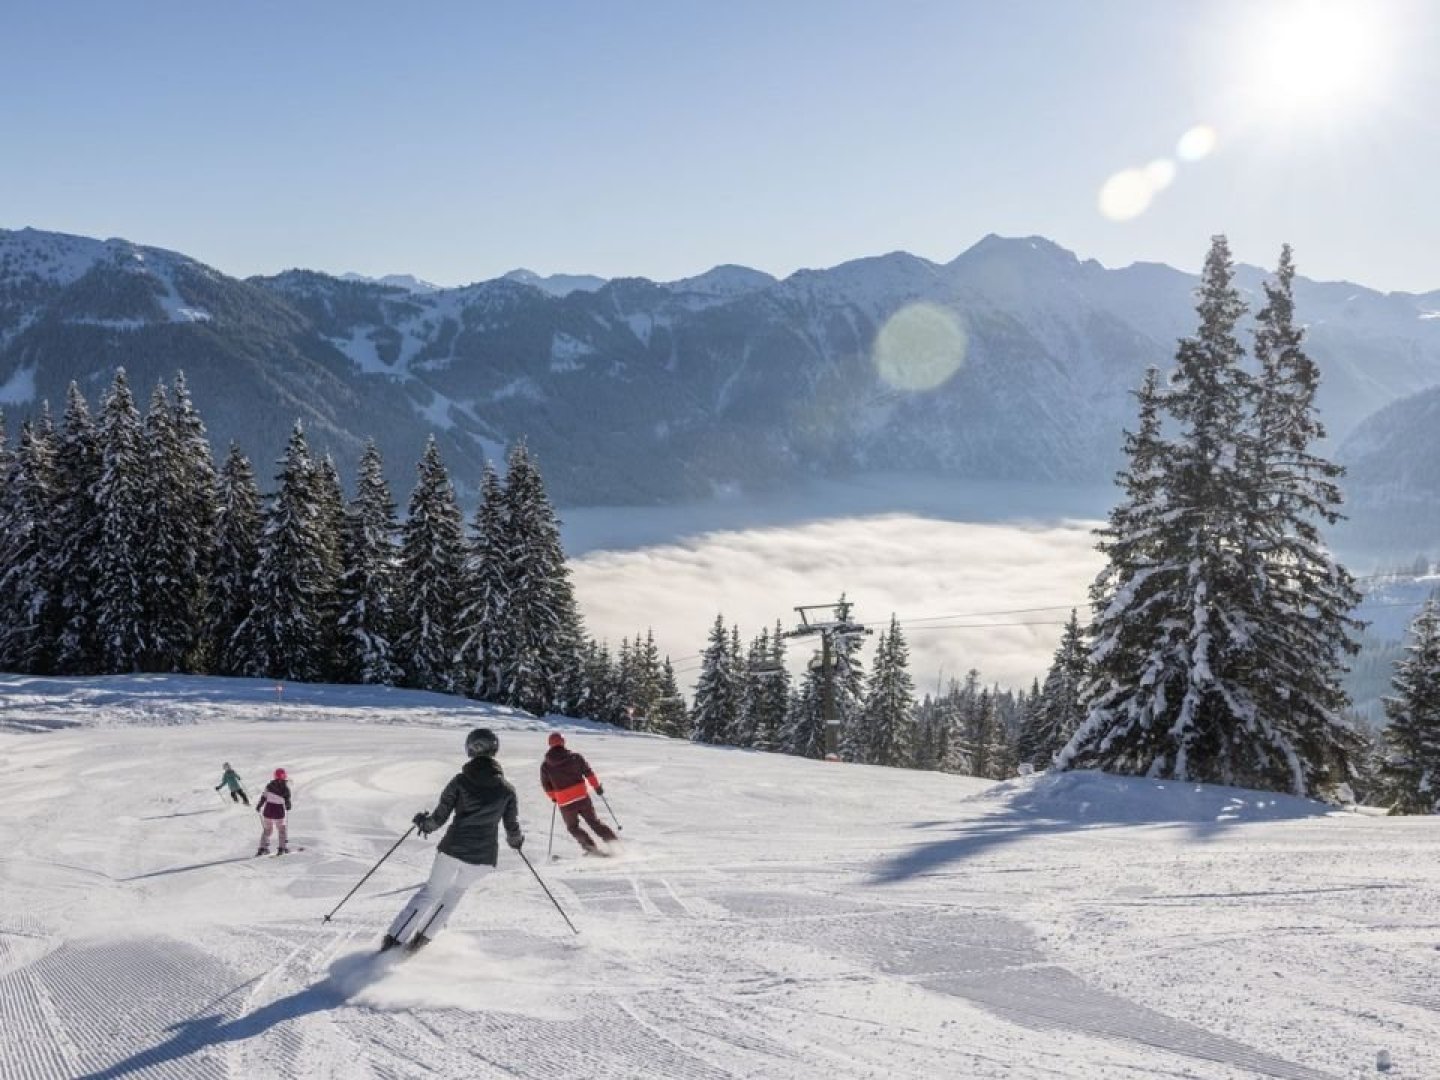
1126,195
1160,173
920,347
1197,144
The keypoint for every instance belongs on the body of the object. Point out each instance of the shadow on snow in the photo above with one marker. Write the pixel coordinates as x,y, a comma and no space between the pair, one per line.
1086,800
347,977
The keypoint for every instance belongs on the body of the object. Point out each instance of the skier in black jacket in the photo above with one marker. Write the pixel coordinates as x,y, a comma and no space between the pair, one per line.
480,798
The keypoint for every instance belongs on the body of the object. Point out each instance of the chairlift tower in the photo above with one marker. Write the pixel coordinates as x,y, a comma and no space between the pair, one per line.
832,631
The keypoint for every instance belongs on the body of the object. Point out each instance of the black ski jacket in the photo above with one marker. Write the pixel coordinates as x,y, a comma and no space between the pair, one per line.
480,797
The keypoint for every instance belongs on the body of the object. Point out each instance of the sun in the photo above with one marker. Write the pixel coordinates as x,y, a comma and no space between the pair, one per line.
1316,55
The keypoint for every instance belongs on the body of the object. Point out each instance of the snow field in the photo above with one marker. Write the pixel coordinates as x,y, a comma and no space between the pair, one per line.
768,917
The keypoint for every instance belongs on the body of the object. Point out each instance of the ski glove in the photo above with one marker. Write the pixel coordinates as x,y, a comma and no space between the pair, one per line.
599,789
516,841
419,821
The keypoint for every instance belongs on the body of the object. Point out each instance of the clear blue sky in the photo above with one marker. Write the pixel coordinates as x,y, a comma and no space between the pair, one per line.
458,140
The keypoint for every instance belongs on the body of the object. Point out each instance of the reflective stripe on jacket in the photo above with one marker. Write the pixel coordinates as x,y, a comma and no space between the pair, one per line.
564,774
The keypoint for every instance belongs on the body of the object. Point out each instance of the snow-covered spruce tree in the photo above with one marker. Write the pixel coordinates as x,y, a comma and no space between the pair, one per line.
598,698
169,591
803,734
29,590
890,705
431,580
1410,770
849,689
331,518
645,689
1220,620
77,475
1304,631
541,632
671,718
1056,712
766,692
196,522
771,696
366,604
958,709
717,691
281,635
236,559
1177,674
932,734
11,524
747,679
121,502
486,585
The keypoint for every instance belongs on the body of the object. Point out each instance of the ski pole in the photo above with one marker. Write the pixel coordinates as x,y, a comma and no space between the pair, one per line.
372,870
547,890
612,812
550,847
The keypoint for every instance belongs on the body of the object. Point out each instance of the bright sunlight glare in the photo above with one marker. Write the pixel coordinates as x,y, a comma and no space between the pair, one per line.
1316,54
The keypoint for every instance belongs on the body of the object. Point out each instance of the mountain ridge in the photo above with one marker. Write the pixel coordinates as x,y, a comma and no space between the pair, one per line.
637,391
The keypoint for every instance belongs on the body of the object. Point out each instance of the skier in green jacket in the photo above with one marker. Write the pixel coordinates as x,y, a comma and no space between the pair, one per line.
237,793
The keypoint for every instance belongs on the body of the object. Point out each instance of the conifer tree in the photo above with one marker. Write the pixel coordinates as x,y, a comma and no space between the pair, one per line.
804,732
366,592
11,525
890,705
932,734
236,560
1410,770
281,635
670,718
541,632
958,706
1055,713
771,695
431,579
717,691
121,505
29,590
1183,689
169,585
1304,629
77,475
331,520
486,584
196,524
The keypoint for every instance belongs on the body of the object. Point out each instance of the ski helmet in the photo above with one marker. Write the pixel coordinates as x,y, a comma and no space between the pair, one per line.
556,739
227,764
279,774
481,743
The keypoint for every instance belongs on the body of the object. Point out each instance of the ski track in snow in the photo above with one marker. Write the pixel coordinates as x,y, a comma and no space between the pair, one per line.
765,916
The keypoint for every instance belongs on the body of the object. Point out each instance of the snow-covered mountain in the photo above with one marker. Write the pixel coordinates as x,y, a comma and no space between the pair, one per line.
556,284
767,917
636,392
408,282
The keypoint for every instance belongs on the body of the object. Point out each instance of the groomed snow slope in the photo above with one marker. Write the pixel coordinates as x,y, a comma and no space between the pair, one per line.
769,917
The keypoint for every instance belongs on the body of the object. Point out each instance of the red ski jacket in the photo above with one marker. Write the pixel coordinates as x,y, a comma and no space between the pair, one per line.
563,775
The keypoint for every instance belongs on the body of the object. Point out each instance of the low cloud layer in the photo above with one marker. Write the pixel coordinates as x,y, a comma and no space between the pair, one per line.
940,578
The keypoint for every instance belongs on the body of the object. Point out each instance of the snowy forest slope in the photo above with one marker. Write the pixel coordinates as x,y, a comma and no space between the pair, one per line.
771,916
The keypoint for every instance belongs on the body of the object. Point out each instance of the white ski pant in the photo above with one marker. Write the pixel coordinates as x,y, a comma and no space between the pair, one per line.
268,824
430,909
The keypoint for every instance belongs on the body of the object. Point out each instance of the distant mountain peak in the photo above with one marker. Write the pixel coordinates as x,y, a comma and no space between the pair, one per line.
408,282
556,284
727,279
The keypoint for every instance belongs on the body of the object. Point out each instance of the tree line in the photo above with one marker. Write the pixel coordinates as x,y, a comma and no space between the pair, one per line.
123,549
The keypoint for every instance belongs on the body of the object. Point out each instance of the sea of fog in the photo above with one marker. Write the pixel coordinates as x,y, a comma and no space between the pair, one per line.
979,575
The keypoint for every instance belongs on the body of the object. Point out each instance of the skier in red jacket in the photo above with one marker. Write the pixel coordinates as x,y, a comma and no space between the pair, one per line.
563,775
